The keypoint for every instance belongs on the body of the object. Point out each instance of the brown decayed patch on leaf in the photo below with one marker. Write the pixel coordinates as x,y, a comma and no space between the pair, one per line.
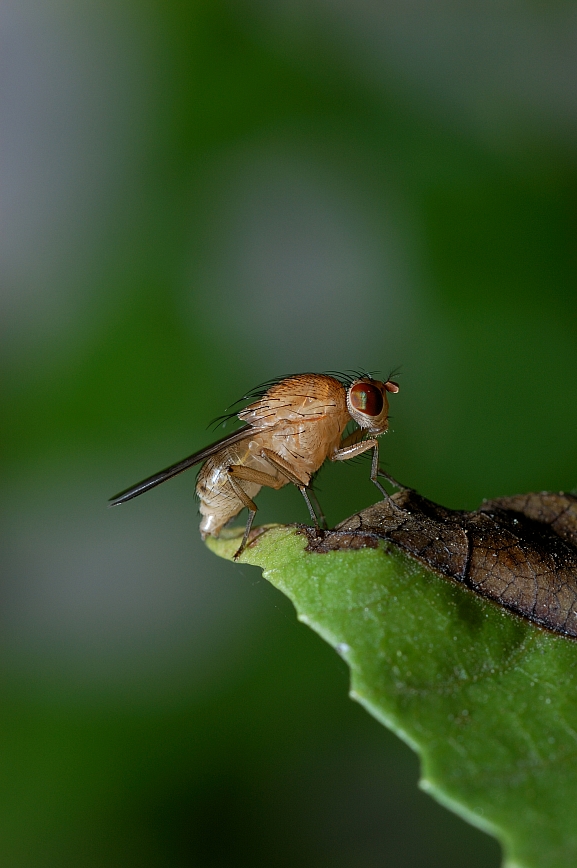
519,551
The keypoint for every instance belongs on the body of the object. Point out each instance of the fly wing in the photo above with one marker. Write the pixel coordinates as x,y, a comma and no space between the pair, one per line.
175,469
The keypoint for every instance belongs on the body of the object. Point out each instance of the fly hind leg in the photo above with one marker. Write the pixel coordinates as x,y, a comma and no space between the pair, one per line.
238,471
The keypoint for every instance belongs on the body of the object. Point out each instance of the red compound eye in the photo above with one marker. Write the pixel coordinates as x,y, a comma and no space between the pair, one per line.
366,398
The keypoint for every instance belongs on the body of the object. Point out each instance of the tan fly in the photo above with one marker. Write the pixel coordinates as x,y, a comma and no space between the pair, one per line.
288,434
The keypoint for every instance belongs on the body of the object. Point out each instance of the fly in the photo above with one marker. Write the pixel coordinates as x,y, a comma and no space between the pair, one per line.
287,435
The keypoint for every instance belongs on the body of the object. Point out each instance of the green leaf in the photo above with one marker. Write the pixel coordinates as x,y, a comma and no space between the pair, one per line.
487,699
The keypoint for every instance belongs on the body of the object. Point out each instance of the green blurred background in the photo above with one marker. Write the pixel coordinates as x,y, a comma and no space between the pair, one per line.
195,197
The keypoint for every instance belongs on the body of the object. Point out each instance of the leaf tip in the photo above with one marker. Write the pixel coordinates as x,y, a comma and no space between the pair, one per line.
227,543
224,547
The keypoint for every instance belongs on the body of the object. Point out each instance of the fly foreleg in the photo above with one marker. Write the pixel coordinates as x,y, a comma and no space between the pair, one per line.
351,450
238,471
352,439
393,481
285,468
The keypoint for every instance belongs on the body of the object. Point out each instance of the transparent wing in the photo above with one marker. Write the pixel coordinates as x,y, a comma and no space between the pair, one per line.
175,469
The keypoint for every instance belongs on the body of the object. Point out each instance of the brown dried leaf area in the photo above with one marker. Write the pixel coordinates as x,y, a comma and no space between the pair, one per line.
519,551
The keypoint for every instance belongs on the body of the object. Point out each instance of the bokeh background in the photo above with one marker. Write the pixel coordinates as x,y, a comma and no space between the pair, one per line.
195,197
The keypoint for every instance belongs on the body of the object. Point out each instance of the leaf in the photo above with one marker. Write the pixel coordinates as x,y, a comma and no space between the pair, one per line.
487,698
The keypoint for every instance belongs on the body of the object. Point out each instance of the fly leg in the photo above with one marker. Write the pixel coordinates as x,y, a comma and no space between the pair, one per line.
237,471
279,462
351,450
318,509
393,481
252,508
355,439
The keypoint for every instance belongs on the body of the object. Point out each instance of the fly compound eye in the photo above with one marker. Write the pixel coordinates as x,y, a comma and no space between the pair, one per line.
367,399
